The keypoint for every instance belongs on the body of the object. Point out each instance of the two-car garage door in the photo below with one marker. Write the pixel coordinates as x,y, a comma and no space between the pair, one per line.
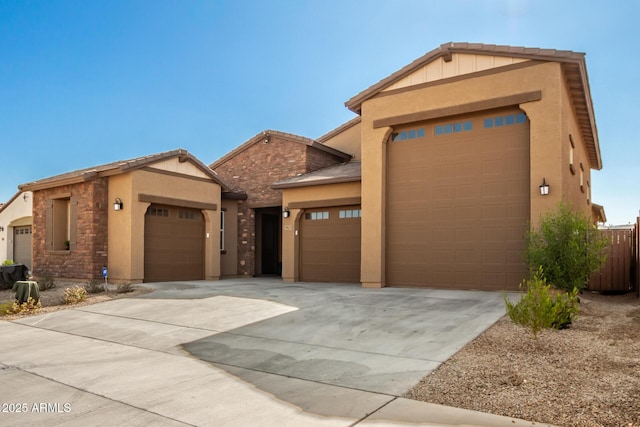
458,202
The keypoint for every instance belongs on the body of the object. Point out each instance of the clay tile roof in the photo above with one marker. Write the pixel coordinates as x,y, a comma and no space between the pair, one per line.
266,135
345,172
118,167
574,67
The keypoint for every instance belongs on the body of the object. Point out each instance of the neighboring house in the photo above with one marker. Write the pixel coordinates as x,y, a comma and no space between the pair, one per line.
15,229
252,211
154,218
455,150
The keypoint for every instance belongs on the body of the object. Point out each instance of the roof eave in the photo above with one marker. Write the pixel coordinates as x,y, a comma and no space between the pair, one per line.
325,181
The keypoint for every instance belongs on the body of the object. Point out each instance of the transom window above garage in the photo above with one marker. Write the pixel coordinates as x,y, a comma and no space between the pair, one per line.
507,120
408,134
465,126
158,212
313,216
350,213
187,215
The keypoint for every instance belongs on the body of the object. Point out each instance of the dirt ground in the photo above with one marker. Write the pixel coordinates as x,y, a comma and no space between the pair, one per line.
587,375
53,299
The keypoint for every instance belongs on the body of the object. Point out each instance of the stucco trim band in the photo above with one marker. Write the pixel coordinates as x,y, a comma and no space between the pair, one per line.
161,200
346,201
472,107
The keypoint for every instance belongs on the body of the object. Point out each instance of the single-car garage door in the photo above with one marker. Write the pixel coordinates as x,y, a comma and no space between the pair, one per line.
330,244
173,244
458,202
22,245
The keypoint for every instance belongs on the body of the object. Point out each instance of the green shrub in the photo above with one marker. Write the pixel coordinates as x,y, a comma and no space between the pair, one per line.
28,307
124,288
95,286
5,308
46,282
8,262
542,307
568,247
75,295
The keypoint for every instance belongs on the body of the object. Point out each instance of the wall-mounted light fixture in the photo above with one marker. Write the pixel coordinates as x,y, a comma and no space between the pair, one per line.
286,213
544,188
25,196
1,228
117,205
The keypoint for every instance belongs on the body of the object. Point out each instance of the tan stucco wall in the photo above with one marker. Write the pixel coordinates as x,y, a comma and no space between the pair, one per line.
126,227
572,193
319,195
347,141
548,131
229,259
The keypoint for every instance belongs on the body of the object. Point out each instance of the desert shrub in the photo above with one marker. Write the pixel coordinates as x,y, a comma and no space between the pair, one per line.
74,295
541,307
27,307
124,288
5,308
567,246
46,282
95,286
8,262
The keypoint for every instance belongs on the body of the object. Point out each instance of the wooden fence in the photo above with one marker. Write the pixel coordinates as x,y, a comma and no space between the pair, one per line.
620,272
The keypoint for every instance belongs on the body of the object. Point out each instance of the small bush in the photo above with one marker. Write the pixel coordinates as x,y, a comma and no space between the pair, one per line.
8,262
124,288
28,307
567,246
541,307
5,308
95,286
75,295
46,282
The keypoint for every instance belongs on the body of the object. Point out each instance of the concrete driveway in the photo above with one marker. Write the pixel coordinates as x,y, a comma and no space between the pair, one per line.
241,352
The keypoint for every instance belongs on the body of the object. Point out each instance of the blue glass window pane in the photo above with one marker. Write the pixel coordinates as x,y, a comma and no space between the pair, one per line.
421,133
499,121
412,134
468,126
457,127
394,136
488,123
403,136
448,128
509,120
439,130
521,118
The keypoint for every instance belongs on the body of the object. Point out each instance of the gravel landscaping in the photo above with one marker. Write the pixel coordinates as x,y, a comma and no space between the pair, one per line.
587,375
53,299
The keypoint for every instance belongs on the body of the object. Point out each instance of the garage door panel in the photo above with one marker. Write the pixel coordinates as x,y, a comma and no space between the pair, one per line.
174,244
469,195
330,248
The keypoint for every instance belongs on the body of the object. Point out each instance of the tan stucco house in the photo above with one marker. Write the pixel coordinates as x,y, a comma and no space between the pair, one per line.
154,218
453,150
15,229
433,183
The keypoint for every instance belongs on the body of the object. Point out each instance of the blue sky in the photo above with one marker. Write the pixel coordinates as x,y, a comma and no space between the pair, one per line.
89,82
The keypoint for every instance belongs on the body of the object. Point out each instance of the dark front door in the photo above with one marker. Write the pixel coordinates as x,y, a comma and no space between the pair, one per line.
268,231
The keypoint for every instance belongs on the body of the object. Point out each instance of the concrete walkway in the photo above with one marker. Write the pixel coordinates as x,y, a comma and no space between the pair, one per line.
254,352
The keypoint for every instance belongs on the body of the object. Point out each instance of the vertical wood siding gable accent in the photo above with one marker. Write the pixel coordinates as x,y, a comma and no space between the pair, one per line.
73,223
48,225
